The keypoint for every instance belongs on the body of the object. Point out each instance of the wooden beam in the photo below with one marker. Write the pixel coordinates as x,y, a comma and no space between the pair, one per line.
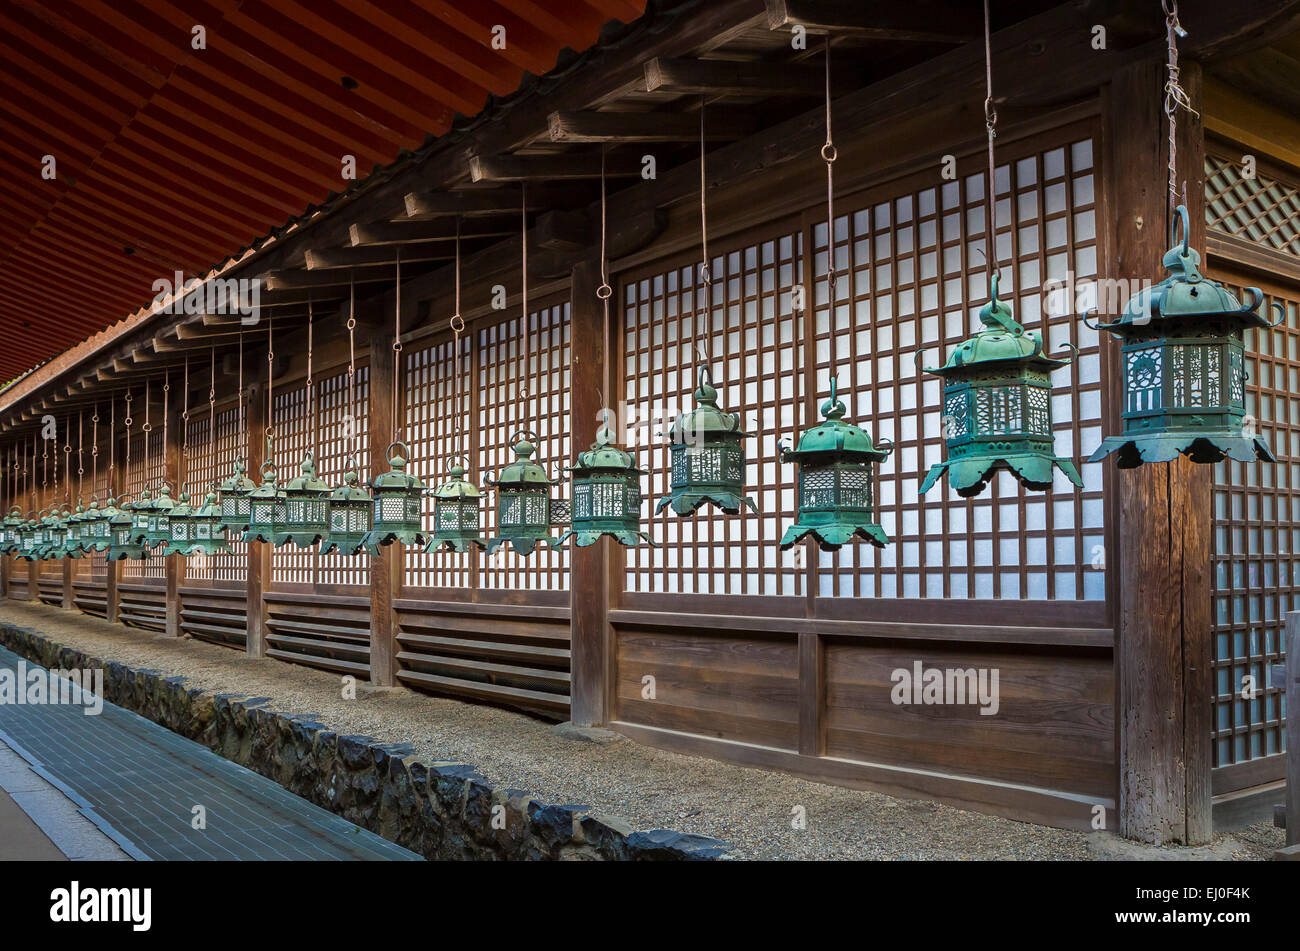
591,126
302,280
590,647
259,553
1293,728
407,231
385,568
1164,571
812,693
485,202
717,77
325,259
174,565
922,21
549,168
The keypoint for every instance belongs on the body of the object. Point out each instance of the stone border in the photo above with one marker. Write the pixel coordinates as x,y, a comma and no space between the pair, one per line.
438,810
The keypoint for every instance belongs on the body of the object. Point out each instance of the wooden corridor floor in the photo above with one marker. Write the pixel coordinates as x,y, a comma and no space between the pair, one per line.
140,783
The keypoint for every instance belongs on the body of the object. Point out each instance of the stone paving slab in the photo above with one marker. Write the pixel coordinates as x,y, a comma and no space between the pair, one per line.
140,783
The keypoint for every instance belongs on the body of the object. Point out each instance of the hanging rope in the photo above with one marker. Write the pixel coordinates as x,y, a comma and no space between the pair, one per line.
991,123
703,291
457,328
147,428
354,420
184,472
311,386
212,419
94,454
81,459
270,388
604,292
1175,96
128,440
243,428
167,385
397,347
523,283
829,155
67,458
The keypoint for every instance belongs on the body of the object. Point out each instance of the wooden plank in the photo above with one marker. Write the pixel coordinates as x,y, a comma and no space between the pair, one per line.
68,596
385,569
1293,727
589,576
812,694
1164,531
676,126
324,259
551,168
415,231
922,21
718,77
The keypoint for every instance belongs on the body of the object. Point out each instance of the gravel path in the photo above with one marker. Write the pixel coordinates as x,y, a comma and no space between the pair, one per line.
749,808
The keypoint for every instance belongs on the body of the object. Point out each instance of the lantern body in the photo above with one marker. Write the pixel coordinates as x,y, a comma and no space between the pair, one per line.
306,504
207,531
396,504
606,495
456,513
708,457
122,534
94,528
997,407
11,539
1183,361
265,508
52,535
140,511
63,543
27,541
349,516
523,502
179,526
235,504
159,530
835,462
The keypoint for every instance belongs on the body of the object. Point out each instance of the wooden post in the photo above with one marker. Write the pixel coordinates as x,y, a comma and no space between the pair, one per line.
590,636
174,565
386,568
259,553
68,601
6,565
1163,607
113,569
1293,728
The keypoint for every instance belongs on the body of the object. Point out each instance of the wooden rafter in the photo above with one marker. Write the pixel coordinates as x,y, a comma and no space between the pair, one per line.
645,126
716,77
919,21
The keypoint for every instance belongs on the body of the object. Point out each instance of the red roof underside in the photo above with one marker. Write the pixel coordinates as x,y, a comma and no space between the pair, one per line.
186,156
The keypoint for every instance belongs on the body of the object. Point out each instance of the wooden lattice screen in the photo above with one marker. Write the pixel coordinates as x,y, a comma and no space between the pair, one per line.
1262,210
912,280
136,478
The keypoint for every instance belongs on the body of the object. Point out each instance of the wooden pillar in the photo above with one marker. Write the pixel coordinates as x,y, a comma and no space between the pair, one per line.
174,565
6,566
590,636
113,569
386,568
1293,728
259,553
68,600
1164,574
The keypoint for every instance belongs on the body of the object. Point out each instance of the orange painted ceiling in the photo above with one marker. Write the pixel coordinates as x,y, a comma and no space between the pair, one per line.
168,157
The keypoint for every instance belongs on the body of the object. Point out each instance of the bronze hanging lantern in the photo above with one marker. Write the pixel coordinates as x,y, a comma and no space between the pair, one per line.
207,531
836,461
265,506
27,534
45,534
94,528
76,531
58,528
396,504
159,532
140,510
349,515
456,513
178,526
306,500
123,544
523,500
11,539
235,504
707,447
1184,367
606,495
997,407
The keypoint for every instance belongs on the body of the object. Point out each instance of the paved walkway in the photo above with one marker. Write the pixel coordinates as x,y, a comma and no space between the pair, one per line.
139,783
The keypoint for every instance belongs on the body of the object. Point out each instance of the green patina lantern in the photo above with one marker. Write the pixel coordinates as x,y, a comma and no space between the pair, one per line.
178,526
707,448
1184,367
234,499
27,534
95,534
159,531
207,529
606,495
76,531
306,504
396,504
997,407
265,508
140,510
349,515
456,513
523,500
11,531
123,542
49,539
835,462
63,539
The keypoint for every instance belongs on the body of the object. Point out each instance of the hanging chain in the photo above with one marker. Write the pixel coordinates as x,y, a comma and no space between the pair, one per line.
67,457
128,441
354,420
1175,95
184,473
167,385
604,292
991,123
243,428
457,328
270,389
397,346
702,341
212,418
523,284
94,454
147,428
311,386
829,155
81,459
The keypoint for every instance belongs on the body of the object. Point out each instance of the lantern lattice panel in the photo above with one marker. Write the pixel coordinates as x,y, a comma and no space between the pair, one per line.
431,412
1262,210
912,277
523,383
1256,546
232,442
136,479
752,334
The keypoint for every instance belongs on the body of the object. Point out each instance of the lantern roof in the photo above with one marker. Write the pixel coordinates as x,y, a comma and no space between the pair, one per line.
142,504
1003,340
523,471
238,483
164,502
181,508
307,481
605,456
268,489
15,517
833,435
350,490
706,422
1185,293
457,487
397,477
210,508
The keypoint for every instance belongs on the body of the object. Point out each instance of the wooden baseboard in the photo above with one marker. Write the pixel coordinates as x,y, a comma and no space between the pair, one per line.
1245,807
